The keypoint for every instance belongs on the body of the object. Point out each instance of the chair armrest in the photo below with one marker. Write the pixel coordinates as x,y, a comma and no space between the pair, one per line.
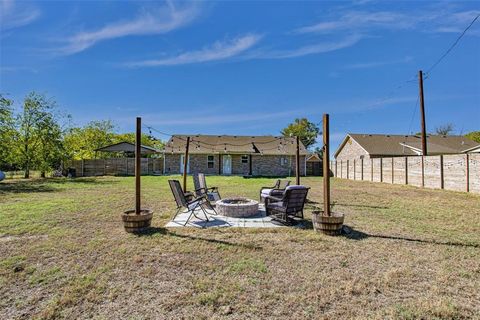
275,199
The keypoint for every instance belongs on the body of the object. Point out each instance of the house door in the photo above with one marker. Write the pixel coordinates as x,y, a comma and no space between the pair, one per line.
227,164
182,158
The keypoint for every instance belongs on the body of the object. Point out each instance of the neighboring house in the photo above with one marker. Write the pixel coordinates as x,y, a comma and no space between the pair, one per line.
127,149
388,145
234,155
314,165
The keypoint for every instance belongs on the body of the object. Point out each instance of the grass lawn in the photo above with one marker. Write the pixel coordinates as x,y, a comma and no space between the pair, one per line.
412,254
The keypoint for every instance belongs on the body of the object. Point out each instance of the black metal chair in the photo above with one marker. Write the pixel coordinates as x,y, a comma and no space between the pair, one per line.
276,191
201,188
290,205
183,203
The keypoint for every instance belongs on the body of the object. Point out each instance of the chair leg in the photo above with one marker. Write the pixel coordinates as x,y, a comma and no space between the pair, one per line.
176,213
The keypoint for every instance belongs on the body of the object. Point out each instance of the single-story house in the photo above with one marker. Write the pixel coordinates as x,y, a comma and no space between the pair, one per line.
234,155
314,165
127,149
390,145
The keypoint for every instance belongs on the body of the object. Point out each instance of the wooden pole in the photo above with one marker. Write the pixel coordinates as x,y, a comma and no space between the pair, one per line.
326,160
422,114
138,139
467,158
297,165
406,170
442,180
185,165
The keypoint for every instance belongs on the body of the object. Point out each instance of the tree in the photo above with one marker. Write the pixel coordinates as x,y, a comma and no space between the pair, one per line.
444,129
39,133
474,135
304,129
81,143
7,131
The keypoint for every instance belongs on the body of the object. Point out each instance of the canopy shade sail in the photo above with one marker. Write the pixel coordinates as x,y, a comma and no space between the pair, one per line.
127,147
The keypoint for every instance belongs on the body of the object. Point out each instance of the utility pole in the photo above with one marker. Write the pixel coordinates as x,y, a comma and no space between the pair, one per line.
326,165
185,166
422,114
298,162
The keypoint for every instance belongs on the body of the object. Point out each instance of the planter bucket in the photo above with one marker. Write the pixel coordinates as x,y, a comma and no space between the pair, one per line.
330,225
137,222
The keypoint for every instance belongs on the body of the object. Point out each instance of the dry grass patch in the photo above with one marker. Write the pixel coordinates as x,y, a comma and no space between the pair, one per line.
410,254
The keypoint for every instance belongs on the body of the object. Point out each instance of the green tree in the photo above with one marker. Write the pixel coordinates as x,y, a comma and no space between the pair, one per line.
7,131
81,143
304,129
474,135
39,134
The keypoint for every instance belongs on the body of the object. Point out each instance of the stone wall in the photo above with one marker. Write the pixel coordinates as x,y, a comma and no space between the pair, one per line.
458,172
266,165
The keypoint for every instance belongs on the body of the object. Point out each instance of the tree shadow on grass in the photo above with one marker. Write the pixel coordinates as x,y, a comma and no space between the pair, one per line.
351,233
163,231
45,185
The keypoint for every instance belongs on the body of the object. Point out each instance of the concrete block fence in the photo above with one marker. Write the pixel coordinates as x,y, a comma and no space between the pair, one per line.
458,172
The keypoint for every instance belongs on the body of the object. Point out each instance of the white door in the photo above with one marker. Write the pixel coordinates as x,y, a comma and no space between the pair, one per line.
227,164
182,157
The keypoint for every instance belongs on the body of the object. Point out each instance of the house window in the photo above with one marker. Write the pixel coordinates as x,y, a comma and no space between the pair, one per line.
245,158
283,161
210,162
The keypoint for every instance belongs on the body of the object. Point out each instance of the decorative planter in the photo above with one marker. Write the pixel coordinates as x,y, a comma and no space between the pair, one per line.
137,222
330,225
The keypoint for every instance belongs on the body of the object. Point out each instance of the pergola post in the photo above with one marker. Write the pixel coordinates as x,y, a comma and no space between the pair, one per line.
326,160
138,172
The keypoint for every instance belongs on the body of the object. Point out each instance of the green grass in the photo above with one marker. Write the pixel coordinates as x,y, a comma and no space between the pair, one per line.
411,254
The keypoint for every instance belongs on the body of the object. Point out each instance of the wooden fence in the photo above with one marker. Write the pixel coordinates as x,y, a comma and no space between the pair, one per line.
458,172
115,167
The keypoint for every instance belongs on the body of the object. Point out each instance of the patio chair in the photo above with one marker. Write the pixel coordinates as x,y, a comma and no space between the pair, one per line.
277,190
201,188
183,203
289,205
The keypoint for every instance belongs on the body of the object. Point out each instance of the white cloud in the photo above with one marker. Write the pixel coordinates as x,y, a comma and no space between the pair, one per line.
360,20
317,48
431,20
218,51
157,21
375,64
11,16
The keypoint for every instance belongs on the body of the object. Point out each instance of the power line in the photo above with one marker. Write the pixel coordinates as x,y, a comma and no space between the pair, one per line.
451,47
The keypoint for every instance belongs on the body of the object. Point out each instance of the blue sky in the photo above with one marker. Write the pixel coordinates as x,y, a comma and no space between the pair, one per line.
246,67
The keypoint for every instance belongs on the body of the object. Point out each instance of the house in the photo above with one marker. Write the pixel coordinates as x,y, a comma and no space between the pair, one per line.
389,145
314,165
234,155
127,149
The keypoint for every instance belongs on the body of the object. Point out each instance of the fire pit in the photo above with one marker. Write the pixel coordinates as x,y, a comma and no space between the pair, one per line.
237,207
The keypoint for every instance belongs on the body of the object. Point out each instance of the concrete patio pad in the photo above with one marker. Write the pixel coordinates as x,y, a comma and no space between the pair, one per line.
260,220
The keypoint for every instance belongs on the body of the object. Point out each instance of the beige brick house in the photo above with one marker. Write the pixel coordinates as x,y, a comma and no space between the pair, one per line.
234,155
366,146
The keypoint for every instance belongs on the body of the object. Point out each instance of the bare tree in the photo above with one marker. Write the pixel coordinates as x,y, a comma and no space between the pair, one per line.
444,129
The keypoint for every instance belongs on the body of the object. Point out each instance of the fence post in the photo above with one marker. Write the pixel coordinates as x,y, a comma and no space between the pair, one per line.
371,167
126,166
354,170
348,167
442,183
467,158
83,168
406,170
104,167
362,168
393,172
381,169
423,173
